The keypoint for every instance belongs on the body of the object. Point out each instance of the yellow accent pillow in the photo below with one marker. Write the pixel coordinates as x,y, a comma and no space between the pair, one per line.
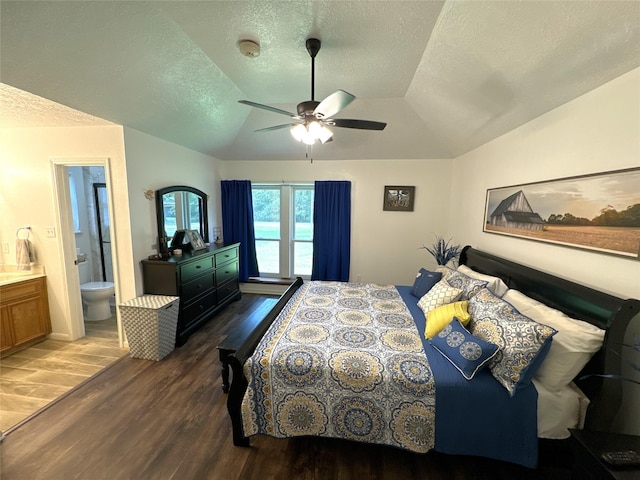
440,317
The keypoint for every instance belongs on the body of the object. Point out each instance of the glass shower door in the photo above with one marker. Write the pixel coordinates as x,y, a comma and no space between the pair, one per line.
104,236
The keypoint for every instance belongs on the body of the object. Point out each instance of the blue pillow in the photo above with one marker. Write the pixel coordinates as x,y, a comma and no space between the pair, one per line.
467,353
424,281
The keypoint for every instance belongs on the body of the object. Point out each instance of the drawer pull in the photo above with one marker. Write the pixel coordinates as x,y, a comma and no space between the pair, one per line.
198,266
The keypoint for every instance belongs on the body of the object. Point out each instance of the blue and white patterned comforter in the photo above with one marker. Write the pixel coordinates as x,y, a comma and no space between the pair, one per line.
342,360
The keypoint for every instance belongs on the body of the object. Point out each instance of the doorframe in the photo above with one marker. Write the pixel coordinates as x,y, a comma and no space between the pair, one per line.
67,243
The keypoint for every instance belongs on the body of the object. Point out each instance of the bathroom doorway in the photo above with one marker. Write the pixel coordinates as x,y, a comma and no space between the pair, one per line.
85,229
47,370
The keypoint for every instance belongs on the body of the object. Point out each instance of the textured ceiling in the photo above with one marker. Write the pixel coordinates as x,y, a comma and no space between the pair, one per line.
447,77
22,109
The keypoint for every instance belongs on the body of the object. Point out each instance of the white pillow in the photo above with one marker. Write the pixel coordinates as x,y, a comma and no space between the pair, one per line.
441,294
560,410
572,347
494,284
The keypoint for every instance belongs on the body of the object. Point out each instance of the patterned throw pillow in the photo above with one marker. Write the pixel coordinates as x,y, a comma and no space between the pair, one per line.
467,353
495,284
469,286
440,317
572,347
445,271
523,342
441,294
424,281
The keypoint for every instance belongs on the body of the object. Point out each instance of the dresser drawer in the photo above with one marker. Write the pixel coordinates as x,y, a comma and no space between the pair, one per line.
189,270
198,307
197,286
226,256
227,290
226,273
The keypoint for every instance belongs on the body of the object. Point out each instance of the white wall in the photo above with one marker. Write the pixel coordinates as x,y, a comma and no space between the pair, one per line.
384,245
597,132
153,163
27,198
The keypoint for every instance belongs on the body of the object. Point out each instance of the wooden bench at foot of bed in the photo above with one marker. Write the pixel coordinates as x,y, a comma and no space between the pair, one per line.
243,351
239,335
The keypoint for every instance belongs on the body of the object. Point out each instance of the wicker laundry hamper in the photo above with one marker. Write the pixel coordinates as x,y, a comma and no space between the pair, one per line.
150,323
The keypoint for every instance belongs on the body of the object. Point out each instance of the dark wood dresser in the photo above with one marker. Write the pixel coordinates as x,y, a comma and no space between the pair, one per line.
205,280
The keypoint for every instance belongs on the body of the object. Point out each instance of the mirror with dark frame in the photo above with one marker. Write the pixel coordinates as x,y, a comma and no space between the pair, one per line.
180,208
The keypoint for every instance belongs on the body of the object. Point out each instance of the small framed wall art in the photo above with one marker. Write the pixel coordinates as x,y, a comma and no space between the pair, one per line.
399,198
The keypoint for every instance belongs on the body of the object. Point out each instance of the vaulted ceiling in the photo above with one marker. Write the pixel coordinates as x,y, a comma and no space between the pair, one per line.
446,77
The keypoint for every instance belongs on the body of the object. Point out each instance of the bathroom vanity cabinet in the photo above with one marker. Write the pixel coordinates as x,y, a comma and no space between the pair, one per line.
24,313
205,280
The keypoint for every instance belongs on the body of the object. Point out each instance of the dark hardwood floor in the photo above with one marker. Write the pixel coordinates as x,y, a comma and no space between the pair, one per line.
140,419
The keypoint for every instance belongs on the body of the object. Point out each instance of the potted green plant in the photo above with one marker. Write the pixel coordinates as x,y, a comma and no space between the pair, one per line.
443,251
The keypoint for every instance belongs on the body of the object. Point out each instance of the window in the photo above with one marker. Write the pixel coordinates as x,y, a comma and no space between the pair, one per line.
283,222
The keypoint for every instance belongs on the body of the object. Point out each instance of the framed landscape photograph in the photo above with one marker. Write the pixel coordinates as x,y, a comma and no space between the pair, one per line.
597,212
399,199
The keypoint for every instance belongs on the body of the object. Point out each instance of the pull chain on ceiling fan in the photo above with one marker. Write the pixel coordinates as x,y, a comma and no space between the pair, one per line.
314,118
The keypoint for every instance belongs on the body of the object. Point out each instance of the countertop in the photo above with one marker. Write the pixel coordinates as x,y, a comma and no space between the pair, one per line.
10,274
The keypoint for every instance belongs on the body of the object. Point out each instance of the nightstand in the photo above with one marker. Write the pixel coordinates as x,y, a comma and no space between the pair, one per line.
587,446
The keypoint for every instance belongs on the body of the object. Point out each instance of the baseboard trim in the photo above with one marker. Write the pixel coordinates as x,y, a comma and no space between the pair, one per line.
59,336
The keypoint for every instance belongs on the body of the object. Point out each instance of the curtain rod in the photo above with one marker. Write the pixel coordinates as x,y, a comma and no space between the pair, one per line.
283,182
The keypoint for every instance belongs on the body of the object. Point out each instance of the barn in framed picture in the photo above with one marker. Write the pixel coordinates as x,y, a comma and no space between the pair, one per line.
598,212
516,212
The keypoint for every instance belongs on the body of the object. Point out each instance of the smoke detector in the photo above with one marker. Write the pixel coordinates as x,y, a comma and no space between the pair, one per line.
249,48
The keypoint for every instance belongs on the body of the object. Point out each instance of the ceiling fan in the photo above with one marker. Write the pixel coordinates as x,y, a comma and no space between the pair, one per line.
313,118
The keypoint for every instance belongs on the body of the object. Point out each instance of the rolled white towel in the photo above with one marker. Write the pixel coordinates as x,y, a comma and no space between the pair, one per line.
23,254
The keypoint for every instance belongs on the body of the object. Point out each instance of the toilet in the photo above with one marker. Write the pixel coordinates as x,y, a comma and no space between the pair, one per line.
95,295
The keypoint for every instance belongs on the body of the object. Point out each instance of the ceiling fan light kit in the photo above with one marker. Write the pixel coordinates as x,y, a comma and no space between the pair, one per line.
312,117
311,132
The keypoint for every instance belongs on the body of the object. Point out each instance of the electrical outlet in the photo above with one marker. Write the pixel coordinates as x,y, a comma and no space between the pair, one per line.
5,247
51,232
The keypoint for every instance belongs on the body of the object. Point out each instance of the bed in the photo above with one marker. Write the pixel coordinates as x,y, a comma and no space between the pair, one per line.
351,360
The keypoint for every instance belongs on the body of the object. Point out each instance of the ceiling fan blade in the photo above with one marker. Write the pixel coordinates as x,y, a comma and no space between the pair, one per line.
275,127
360,124
333,104
267,107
